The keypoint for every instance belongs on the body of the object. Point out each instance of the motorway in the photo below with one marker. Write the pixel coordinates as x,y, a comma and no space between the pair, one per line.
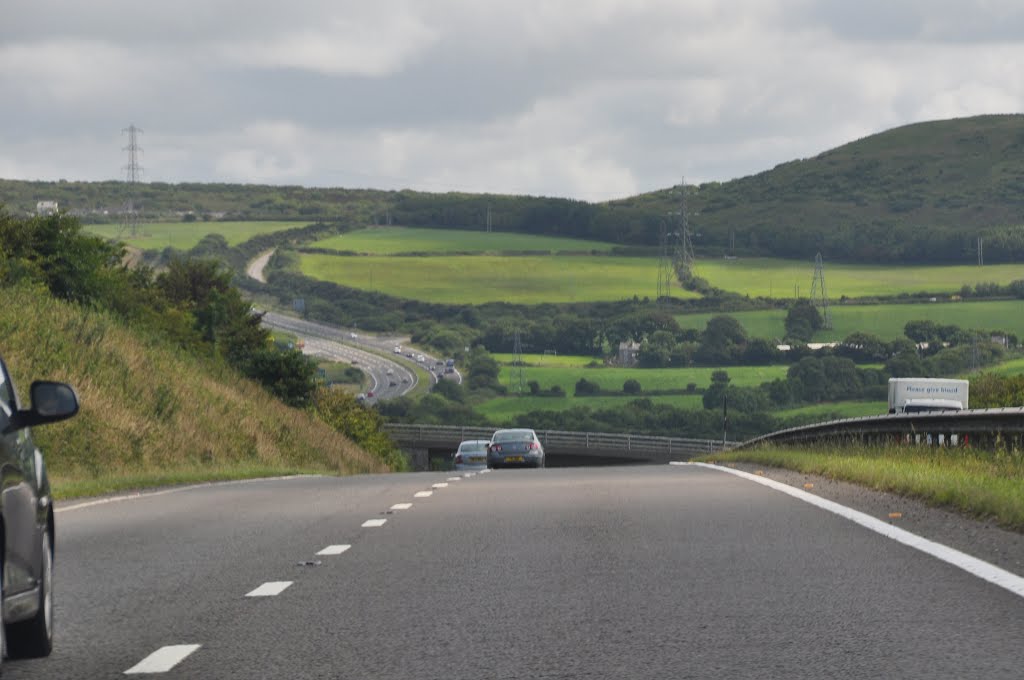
628,572
372,353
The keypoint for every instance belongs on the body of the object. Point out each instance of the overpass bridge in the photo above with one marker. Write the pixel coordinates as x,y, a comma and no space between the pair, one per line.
428,445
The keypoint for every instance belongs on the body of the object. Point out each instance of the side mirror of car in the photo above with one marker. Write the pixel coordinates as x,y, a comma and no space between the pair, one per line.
51,403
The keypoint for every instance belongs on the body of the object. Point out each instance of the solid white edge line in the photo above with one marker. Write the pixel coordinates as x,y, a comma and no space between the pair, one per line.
177,489
334,550
163,659
270,589
972,565
423,494
374,523
401,506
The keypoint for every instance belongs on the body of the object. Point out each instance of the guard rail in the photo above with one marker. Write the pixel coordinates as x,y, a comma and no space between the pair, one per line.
628,445
986,428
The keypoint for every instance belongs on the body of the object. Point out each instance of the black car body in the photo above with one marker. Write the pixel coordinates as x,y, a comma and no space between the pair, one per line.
26,516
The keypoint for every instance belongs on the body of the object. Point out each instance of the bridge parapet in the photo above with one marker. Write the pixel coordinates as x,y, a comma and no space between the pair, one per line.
563,443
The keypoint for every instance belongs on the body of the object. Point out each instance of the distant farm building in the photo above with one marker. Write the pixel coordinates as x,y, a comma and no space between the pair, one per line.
628,353
46,207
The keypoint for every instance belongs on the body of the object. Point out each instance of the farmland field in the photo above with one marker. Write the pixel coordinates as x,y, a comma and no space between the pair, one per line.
846,409
184,235
476,279
770,277
504,409
549,360
1006,369
391,240
885,321
612,378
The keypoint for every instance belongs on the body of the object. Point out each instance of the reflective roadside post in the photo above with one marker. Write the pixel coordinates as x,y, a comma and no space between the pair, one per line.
725,419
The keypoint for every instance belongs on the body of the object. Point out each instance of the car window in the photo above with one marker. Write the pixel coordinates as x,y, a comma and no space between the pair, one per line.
513,437
470,447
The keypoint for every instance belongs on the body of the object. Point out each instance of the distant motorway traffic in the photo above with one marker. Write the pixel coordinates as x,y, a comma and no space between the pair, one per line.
376,355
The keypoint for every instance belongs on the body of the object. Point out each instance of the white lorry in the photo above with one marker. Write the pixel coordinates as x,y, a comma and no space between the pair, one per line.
916,395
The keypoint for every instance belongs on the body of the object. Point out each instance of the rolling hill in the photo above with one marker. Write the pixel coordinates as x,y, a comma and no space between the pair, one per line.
921,193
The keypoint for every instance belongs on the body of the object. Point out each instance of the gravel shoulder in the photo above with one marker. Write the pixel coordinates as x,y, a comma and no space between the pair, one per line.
978,538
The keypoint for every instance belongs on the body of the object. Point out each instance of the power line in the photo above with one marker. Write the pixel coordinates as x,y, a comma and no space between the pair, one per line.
665,269
516,381
819,296
133,171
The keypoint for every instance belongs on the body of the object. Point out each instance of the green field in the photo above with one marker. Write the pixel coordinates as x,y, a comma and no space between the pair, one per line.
476,279
504,409
184,235
392,240
549,360
771,277
612,378
845,409
885,321
1008,368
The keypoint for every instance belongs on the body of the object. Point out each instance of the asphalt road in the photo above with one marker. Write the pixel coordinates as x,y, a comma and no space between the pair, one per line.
335,344
632,572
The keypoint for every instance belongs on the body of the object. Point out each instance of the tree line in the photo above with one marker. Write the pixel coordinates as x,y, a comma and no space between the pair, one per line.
191,304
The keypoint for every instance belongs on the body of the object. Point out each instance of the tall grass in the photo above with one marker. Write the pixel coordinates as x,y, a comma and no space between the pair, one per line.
983,484
151,414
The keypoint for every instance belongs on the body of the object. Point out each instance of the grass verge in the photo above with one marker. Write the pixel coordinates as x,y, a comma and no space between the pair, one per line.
152,415
980,484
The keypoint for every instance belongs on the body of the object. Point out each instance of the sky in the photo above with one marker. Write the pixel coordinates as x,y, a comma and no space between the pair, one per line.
586,99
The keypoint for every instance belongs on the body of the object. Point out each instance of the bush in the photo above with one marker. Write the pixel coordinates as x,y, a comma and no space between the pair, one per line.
632,386
586,388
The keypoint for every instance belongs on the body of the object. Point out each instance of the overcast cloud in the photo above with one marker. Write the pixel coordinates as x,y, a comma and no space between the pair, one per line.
591,99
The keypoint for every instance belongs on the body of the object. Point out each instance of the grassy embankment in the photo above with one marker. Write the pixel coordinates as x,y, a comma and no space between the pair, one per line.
978,483
153,416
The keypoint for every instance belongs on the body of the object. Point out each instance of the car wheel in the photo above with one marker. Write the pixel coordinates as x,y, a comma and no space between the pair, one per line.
34,637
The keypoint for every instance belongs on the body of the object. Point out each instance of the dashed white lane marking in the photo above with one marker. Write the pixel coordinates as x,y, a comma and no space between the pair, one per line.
270,589
469,474
374,522
163,659
455,479
972,565
423,494
334,550
440,485
401,506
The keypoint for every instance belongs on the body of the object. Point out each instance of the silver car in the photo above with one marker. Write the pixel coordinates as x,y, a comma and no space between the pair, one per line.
519,447
472,455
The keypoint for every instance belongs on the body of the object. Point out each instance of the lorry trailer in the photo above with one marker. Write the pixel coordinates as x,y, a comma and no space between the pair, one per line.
917,395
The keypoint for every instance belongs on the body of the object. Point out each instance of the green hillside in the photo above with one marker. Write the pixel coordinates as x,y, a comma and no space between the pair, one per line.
918,193
921,193
151,415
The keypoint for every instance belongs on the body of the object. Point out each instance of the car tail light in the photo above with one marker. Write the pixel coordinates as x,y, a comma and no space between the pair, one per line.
496,448
532,445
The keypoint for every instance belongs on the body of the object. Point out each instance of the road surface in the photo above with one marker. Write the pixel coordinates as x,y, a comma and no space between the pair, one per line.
633,572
